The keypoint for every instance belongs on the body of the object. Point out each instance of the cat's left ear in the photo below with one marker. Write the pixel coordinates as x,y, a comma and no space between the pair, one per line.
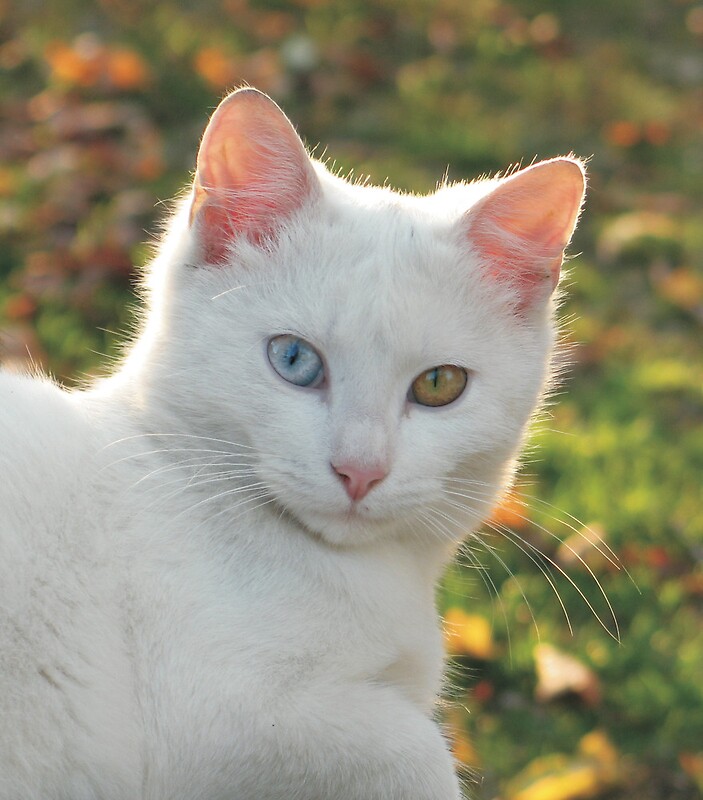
252,173
521,228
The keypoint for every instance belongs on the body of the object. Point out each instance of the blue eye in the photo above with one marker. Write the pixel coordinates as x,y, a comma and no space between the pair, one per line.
295,360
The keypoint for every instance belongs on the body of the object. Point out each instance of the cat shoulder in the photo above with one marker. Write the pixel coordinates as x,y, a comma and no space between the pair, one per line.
43,434
28,401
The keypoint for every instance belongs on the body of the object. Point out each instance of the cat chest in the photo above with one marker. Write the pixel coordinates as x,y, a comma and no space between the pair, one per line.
263,634
224,692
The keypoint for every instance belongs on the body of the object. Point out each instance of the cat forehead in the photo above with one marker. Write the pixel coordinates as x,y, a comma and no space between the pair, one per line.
386,280
377,235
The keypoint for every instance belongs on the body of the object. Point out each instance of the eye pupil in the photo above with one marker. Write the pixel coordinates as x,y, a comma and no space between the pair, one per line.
293,352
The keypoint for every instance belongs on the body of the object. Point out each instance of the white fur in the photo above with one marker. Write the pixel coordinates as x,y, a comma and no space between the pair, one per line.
167,633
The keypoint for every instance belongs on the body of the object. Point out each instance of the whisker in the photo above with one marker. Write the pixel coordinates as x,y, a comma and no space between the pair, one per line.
172,450
597,542
516,539
246,469
609,553
614,561
212,498
235,490
524,545
229,509
545,572
488,581
179,435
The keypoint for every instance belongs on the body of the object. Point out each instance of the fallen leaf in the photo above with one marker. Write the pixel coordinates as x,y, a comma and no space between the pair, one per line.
592,771
126,69
622,133
597,745
682,287
20,306
692,764
468,634
586,548
557,778
216,67
81,63
463,750
657,133
9,182
510,512
560,674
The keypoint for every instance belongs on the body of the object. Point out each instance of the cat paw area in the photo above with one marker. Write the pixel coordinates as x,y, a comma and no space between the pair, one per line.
573,618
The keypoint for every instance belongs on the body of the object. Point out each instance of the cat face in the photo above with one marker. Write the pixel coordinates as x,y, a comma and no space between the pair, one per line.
379,354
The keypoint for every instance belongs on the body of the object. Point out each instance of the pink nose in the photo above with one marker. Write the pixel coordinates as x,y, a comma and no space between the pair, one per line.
359,481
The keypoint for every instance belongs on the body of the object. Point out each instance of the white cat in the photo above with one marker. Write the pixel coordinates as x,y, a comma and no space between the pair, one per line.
217,566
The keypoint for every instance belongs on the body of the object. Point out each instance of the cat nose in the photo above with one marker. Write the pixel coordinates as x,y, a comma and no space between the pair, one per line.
358,481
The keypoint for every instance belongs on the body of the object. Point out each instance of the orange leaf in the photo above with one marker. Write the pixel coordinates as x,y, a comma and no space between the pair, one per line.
511,512
692,764
463,749
622,133
215,67
20,306
682,287
72,65
8,182
657,133
126,69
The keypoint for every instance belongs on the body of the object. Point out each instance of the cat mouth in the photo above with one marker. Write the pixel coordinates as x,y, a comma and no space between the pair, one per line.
353,522
355,509
357,522
359,511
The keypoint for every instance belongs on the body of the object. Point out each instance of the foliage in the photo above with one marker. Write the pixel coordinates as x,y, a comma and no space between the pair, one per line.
103,103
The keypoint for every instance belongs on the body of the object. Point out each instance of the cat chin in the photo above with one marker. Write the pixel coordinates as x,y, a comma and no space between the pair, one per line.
350,528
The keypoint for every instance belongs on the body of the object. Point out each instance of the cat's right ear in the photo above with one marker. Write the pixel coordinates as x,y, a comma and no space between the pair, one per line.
521,228
252,173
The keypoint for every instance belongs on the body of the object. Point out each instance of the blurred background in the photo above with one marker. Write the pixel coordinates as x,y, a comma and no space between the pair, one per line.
577,634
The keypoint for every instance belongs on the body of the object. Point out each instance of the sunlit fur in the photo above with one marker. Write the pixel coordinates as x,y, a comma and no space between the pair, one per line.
191,606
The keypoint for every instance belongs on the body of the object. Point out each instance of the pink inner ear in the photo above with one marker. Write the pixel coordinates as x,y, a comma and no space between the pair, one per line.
522,227
253,172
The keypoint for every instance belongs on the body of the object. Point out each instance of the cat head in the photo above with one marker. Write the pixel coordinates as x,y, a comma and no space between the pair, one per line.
377,354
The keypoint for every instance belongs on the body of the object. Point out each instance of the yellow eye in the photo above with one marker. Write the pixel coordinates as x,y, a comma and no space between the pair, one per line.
438,386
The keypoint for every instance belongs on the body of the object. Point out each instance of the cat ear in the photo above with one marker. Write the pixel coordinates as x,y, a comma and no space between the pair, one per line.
522,227
252,173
